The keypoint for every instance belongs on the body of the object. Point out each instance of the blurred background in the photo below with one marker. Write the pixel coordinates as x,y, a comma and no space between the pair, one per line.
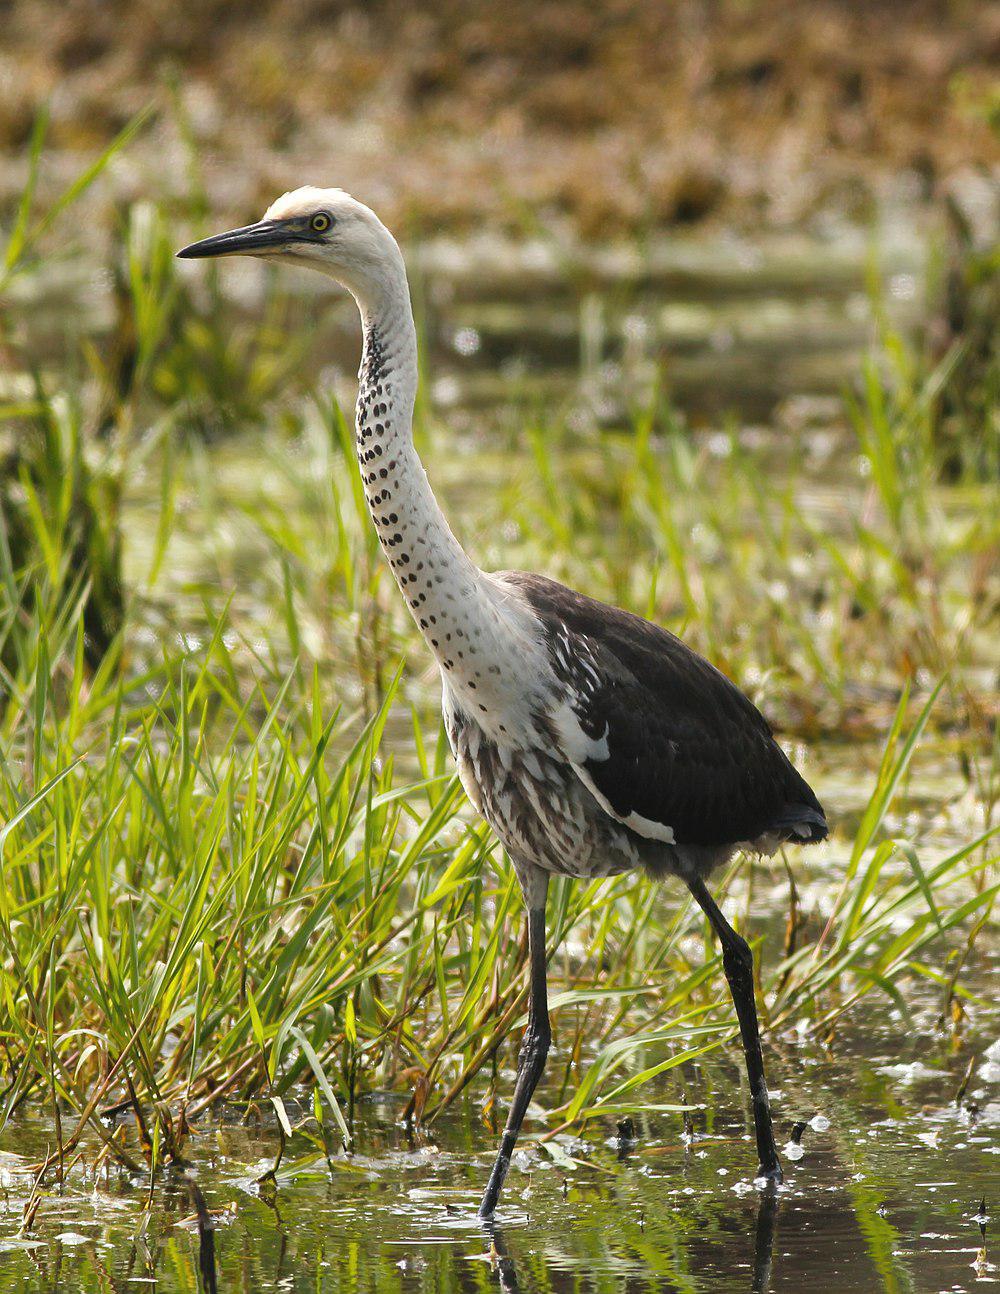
562,118
707,297
700,215
571,180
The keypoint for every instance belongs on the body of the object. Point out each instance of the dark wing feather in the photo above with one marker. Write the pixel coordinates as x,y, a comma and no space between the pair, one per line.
687,750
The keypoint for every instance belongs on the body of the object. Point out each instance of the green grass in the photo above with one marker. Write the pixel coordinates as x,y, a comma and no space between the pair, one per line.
235,861
212,890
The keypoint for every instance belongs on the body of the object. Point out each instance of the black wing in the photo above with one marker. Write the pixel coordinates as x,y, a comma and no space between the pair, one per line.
686,750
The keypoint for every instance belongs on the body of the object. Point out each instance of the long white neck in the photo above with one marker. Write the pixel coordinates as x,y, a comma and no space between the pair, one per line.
459,610
430,565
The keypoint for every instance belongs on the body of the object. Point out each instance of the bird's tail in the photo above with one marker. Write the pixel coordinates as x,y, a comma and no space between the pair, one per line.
801,822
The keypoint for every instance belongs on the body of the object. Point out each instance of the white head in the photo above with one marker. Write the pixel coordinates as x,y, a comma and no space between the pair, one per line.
324,228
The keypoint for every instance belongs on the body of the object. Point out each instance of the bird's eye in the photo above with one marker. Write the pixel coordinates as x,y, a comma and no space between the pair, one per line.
321,222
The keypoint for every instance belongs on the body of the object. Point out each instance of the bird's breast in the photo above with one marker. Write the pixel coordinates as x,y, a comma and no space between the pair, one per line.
532,798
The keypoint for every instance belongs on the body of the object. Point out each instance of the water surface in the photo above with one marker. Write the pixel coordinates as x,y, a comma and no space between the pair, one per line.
885,1193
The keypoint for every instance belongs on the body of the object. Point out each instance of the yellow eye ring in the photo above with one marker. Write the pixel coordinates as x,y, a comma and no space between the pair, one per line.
320,222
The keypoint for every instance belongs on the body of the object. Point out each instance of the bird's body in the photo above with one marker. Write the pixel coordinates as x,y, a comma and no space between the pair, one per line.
600,774
634,751
592,741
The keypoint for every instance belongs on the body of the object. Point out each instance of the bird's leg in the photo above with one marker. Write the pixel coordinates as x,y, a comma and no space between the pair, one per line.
737,960
534,1049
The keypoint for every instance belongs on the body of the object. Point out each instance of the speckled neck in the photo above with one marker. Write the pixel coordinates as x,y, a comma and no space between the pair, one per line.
484,636
446,592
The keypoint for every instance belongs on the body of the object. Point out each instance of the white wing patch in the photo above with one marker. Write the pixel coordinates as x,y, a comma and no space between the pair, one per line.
574,661
634,821
577,746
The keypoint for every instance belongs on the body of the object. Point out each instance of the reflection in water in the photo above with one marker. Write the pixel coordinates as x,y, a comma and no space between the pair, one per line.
270,1200
763,1240
763,1247
500,1257
627,1139
206,1238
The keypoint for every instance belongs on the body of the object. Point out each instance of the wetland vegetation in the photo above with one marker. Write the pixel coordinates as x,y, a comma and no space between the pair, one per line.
262,968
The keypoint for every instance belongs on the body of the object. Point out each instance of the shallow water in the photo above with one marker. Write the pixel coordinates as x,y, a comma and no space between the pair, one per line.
885,1193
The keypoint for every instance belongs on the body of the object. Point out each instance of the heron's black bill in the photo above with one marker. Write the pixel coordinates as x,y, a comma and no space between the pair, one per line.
264,236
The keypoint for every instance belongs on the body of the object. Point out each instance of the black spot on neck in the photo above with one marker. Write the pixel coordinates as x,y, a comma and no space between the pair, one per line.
373,363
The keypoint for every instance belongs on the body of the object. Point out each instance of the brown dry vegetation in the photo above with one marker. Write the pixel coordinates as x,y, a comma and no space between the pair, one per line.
618,115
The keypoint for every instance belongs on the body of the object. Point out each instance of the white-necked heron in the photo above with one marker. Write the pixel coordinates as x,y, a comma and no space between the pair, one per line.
591,741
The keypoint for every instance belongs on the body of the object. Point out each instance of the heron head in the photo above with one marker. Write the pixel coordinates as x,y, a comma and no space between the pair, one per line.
324,228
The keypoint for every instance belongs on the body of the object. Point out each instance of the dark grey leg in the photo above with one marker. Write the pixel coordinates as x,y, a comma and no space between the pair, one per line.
531,1062
737,959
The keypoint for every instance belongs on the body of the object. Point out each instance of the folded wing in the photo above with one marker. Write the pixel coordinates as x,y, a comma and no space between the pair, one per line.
663,740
